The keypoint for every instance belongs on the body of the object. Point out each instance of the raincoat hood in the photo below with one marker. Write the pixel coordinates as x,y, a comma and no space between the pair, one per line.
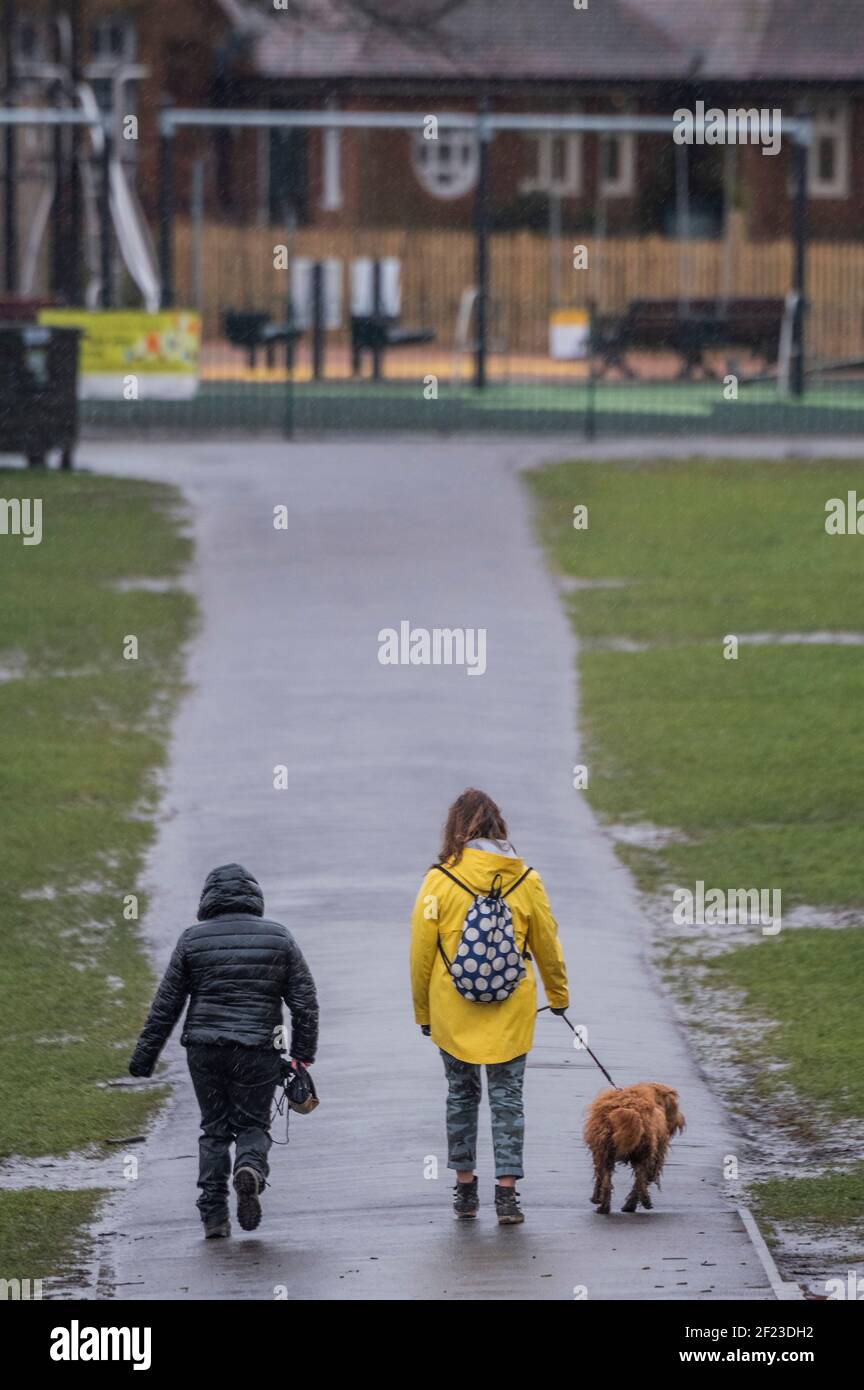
478,867
230,889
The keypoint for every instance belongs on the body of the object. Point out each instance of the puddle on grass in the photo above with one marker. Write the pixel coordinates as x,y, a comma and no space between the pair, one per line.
13,666
745,639
644,835
801,639
572,584
821,1263
144,585
782,1136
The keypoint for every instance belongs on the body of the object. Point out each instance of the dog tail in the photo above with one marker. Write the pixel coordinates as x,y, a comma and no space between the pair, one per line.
626,1126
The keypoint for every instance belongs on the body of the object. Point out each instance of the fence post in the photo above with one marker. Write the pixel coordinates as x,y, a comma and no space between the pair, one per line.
166,207
106,296
800,270
318,320
10,201
481,249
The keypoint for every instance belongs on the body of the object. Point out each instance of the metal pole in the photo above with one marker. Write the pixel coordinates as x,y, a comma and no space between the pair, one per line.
197,238
74,291
59,141
106,268
317,320
481,247
166,214
10,203
800,268
377,320
591,382
682,225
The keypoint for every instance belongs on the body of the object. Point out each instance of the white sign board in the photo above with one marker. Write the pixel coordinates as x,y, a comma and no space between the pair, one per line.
301,292
363,287
568,334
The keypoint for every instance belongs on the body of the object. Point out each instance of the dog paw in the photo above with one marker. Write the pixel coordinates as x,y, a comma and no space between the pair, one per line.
629,1206
647,1203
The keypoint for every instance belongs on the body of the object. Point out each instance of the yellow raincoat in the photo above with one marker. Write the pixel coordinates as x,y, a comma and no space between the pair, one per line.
471,1031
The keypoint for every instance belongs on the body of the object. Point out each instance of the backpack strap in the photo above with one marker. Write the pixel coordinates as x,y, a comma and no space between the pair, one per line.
459,884
472,894
514,886
456,880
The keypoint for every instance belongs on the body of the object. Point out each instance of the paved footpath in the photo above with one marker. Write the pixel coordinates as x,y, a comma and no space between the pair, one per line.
285,671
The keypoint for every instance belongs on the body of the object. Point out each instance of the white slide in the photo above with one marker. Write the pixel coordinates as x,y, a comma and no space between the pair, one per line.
129,224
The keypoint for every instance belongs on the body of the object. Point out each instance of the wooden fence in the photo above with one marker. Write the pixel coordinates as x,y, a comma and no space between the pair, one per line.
530,273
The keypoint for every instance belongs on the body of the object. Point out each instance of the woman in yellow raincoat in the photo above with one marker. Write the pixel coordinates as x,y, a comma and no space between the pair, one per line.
471,1033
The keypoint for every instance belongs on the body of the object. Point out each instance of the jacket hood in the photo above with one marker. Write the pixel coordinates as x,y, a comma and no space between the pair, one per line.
478,867
230,889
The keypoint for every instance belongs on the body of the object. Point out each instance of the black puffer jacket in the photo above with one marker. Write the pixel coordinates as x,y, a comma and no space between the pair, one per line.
236,968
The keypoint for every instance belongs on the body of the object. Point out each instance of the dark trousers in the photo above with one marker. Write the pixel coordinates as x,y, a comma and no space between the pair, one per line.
235,1086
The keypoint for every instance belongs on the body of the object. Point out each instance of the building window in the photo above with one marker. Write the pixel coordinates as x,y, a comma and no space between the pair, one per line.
32,43
617,164
554,164
113,40
331,173
446,167
828,156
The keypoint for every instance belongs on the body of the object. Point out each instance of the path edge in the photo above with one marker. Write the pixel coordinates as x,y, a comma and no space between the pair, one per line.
784,1290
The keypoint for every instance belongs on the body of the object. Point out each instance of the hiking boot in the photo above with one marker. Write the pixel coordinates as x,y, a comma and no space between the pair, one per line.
217,1229
466,1202
507,1207
247,1185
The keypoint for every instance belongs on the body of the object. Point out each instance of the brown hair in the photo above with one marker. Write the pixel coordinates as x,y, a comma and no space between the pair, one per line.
472,816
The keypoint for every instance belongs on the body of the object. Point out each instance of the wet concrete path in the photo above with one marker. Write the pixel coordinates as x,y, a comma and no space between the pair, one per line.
285,671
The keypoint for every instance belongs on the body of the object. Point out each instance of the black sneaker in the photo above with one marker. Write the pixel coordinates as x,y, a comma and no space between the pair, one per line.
507,1206
217,1229
247,1185
466,1202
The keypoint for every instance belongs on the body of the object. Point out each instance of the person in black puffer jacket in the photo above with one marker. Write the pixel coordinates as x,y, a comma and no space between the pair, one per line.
236,968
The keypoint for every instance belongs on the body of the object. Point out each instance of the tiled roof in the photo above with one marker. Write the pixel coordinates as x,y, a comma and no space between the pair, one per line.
548,39
529,39
806,40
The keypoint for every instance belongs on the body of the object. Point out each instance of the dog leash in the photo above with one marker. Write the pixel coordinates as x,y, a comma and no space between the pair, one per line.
585,1045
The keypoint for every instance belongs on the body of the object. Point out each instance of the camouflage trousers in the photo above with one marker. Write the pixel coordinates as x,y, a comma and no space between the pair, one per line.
504,1087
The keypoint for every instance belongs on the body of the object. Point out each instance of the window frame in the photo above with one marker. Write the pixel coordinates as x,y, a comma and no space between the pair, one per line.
840,128
543,181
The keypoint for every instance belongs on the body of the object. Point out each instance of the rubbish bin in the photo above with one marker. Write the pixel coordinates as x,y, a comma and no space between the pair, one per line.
39,391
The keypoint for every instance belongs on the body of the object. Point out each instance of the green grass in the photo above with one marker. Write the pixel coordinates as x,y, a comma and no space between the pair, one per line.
40,1234
812,983
82,736
753,762
834,1198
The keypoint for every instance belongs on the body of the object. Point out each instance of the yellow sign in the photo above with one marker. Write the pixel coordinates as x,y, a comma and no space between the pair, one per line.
568,334
161,349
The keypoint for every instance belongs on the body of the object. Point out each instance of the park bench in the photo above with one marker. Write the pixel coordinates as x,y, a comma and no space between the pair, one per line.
252,330
690,328
376,333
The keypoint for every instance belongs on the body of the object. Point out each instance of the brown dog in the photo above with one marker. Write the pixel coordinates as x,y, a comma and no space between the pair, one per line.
632,1125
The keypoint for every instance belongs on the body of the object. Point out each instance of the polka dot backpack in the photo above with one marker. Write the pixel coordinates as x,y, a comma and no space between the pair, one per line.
487,965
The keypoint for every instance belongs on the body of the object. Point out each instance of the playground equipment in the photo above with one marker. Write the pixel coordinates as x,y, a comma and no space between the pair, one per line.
463,342
484,125
109,201
376,306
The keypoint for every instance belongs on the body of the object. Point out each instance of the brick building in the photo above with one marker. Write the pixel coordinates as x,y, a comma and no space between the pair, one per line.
644,56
